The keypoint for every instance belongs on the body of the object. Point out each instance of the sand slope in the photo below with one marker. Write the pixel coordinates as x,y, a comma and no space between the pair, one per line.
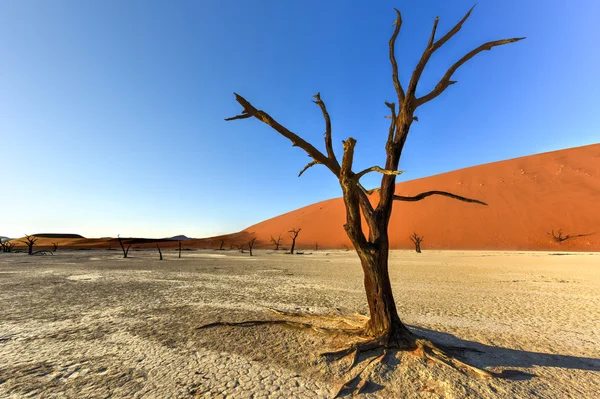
527,197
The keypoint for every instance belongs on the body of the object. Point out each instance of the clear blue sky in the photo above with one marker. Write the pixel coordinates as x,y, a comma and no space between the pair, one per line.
111,112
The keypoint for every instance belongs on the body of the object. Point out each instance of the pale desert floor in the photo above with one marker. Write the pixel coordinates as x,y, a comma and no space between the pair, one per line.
90,324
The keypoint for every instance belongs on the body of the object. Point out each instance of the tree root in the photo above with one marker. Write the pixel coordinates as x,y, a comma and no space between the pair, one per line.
424,349
376,349
355,330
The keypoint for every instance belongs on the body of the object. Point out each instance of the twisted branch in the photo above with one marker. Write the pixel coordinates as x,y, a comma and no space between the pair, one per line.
421,196
399,90
377,169
445,81
328,141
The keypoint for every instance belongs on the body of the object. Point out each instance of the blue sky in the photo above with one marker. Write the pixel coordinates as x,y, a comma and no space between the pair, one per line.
112,112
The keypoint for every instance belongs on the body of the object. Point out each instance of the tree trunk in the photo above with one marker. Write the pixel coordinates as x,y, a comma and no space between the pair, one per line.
384,320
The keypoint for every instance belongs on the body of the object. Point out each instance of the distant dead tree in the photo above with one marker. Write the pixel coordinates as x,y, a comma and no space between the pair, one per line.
316,246
384,330
125,251
240,247
294,235
251,244
179,249
7,246
222,246
559,238
30,242
417,241
159,252
54,246
276,242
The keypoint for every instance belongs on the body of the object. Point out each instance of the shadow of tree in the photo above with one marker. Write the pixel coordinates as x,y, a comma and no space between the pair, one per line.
484,356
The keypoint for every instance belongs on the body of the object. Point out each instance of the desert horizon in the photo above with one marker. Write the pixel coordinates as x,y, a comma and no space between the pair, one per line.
299,200
529,198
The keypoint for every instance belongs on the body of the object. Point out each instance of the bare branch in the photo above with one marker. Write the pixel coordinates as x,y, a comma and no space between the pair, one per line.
450,33
392,43
433,30
377,169
296,140
328,142
445,81
421,196
390,140
313,163
373,190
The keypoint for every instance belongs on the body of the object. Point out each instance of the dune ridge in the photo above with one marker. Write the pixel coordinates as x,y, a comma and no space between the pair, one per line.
528,198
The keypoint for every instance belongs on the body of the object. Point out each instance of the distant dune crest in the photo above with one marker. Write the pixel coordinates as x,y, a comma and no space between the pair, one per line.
530,199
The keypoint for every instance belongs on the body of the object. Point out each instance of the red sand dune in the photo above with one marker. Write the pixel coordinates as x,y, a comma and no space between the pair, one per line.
527,197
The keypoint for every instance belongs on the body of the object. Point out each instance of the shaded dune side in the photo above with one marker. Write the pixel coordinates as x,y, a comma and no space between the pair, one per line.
527,197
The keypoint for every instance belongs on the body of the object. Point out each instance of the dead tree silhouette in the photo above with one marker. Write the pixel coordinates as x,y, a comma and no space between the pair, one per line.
30,242
559,238
125,251
159,252
277,242
383,330
251,244
417,241
54,246
221,247
179,249
7,246
294,235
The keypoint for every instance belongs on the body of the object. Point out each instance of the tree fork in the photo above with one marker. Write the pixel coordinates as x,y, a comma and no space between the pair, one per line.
384,326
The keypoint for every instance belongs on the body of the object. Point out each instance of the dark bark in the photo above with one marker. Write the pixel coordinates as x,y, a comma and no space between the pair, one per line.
54,246
417,241
221,247
159,252
384,323
251,244
560,238
30,242
7,246
179,249
125,251
294,235
276,242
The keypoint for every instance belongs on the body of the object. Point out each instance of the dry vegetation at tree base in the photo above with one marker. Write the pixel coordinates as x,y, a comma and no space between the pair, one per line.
92,324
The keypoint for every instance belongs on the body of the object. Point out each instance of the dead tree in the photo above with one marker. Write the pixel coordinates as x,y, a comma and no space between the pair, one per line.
222,246
179,249
559,238
54,246
30,242
159,252
417,241
294,235
240,247
251,244
7,246
384,326
125,251
316,246
276,242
